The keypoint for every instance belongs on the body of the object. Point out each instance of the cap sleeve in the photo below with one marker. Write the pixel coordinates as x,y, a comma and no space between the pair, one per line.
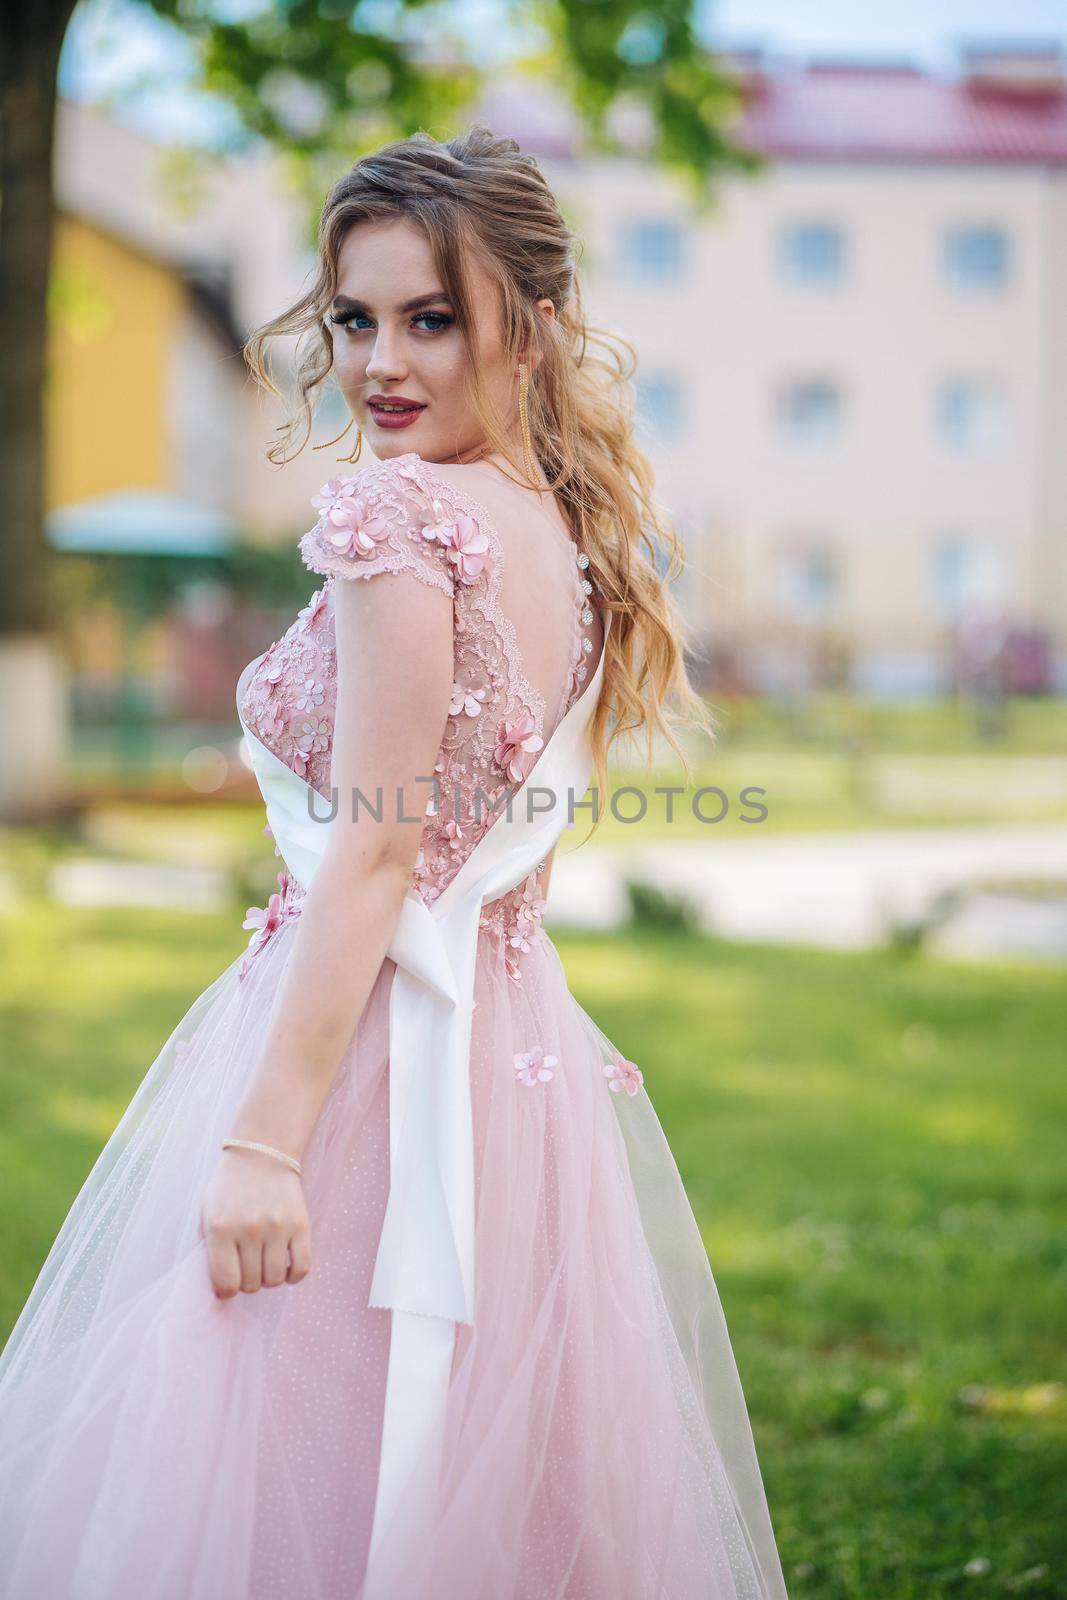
385,519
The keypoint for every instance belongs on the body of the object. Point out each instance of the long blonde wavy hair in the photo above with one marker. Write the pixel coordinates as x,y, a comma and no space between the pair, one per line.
481,192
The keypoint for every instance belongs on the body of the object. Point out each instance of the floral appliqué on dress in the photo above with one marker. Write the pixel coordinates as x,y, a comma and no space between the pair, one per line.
533,1066
266,920
623,1075
398,516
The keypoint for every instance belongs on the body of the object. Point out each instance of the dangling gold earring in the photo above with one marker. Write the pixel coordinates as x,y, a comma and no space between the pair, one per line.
524,421
359,443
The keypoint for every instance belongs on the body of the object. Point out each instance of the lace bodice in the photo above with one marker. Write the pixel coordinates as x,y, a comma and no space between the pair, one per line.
401,516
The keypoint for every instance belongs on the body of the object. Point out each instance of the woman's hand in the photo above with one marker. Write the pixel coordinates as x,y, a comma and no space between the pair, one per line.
255,1221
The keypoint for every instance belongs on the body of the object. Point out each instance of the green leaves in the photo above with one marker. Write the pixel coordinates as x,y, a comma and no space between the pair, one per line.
323,79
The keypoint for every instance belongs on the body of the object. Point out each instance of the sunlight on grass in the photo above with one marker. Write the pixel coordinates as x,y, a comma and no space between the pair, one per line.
76,1113
194,835
972,1124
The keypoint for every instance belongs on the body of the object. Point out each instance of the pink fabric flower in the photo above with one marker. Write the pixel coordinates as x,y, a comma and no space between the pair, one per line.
349,523
534,1066
266,920
469,550
528,914
272,721
454,834
469,692
335,494
517,745
513,970
467,546
313,610
532,907
439,529
311,693
313,735
308,737
622,1074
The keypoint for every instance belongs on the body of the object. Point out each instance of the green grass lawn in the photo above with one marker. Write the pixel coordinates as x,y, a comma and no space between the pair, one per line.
873,1147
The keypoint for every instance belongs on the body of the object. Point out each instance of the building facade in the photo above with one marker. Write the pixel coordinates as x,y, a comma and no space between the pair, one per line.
853,374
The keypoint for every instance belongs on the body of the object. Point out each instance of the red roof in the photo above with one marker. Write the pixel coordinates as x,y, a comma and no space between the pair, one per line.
844,111
894,113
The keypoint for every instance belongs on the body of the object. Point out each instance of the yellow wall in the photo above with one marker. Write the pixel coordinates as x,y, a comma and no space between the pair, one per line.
114,319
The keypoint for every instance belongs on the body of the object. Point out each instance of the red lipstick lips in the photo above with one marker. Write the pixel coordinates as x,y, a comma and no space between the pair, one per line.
394,410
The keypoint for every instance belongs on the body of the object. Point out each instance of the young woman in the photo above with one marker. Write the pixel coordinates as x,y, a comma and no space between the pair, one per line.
386,1286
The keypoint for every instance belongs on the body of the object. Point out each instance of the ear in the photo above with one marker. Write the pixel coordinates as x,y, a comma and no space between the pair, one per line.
546,309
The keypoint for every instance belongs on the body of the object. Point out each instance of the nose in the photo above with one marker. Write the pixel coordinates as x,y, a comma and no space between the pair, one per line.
386,364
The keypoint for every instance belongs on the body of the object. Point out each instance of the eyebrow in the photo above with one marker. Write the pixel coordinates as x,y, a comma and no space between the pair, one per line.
345,302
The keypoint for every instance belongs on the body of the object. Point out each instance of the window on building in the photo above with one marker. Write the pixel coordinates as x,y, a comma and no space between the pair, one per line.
976,257
659,405
965,572
810,411
650,249
970,413
811,252
809,580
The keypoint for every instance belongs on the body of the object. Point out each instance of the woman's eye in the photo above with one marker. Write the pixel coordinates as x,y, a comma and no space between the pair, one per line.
354,320
347,318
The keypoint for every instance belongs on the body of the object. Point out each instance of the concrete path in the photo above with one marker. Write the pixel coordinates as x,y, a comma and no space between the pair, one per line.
97,881
841,890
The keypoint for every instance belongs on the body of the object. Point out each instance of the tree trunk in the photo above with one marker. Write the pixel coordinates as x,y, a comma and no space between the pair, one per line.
31,697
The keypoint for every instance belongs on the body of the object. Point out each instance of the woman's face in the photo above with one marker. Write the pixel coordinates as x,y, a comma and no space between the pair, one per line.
395,335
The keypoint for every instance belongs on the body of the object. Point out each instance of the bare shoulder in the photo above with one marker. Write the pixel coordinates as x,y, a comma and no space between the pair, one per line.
479,485
462,475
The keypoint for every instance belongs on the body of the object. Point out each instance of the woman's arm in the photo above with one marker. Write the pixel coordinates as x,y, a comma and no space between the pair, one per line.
394,680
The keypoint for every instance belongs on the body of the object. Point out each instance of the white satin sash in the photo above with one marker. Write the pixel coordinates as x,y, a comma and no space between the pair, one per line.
424,1268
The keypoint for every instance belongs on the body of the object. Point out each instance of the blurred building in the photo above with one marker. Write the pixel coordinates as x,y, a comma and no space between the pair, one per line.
161,269
155,433
852,374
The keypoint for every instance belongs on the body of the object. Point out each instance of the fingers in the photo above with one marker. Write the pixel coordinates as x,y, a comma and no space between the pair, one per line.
224,1264
275,1259
250,1251
299,1256
252,1262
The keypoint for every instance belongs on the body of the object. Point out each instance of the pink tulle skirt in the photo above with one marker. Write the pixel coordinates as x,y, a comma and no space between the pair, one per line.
159,1443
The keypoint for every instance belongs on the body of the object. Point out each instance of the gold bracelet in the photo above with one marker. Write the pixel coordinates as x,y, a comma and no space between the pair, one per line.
267,1149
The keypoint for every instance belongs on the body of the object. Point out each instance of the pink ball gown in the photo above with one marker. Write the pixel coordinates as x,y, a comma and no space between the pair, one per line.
507,1375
